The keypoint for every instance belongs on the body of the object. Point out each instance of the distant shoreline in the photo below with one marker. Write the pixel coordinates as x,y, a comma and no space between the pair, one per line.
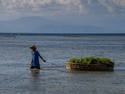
66,34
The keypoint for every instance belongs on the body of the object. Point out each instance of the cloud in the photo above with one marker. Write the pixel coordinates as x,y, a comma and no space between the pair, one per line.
61,7
107,5
119,2
37,5
113,5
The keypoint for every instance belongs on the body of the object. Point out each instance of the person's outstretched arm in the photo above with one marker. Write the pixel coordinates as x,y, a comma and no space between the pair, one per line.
42,59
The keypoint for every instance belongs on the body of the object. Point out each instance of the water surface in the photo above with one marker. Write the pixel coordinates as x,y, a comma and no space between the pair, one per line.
15,56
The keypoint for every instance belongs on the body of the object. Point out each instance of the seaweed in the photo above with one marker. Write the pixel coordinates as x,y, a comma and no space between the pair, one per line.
92,60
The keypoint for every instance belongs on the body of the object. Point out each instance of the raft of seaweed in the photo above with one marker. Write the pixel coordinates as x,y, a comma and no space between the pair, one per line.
90,64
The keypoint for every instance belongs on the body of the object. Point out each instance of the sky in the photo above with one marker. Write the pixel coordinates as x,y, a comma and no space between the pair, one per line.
74,15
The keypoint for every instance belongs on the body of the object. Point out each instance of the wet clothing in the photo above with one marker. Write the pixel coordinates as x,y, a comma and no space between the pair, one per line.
37,67
35,60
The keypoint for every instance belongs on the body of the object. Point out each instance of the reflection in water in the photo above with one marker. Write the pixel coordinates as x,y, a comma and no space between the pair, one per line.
36,83
35,73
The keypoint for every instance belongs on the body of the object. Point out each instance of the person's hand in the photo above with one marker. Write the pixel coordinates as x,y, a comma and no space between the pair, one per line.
44,60
31,63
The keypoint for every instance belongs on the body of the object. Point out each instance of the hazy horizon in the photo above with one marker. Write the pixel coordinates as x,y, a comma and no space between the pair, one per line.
62,16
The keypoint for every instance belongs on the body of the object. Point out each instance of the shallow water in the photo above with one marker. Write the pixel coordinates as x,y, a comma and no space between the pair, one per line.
16,78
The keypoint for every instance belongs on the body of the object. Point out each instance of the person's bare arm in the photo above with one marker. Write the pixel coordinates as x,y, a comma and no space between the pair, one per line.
42,59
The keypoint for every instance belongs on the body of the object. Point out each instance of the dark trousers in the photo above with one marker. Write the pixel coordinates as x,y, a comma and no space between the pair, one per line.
35,67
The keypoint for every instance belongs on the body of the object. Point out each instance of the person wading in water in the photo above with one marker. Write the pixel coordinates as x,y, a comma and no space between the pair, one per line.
35,58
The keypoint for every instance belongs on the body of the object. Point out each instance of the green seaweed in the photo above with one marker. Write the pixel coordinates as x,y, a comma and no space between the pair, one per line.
92,60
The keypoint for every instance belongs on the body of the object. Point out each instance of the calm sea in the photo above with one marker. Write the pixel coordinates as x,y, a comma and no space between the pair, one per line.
57,49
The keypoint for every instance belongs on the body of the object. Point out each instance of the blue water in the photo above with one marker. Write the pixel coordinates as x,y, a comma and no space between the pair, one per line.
15,56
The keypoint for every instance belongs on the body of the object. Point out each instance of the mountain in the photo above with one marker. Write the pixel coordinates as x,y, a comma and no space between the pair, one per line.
40,25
